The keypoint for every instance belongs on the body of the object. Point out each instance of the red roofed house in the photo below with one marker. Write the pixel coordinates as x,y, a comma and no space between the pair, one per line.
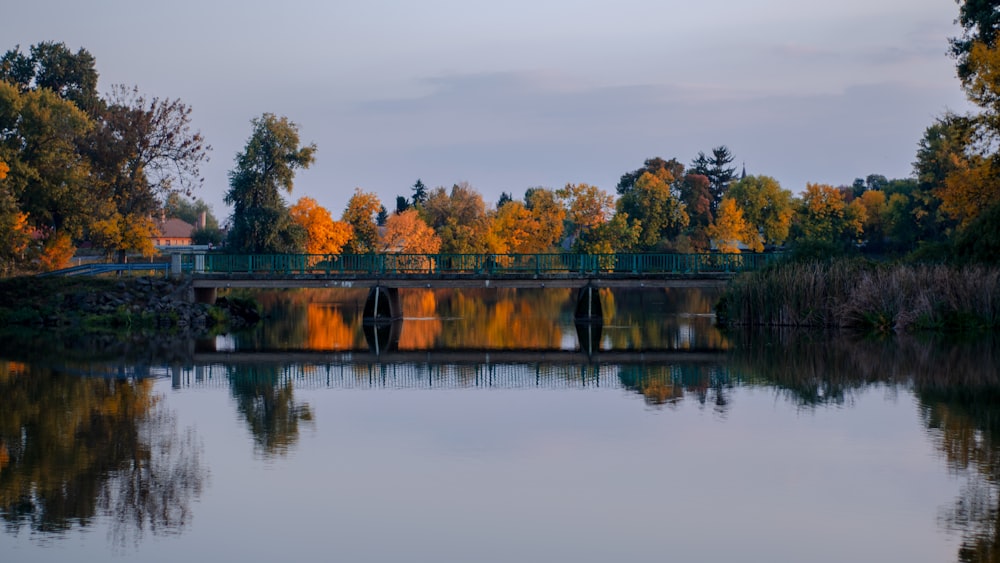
173,232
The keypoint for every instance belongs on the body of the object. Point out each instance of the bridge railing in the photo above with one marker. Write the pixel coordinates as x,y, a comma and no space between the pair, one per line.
483,264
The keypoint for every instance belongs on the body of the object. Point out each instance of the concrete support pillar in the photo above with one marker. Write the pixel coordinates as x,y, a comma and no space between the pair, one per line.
382,336
588,305
382,305
175,265
205,295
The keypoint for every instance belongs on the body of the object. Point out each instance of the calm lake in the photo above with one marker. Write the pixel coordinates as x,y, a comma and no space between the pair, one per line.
488,427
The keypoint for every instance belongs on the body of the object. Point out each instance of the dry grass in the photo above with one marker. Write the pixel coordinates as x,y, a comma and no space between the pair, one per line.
866,295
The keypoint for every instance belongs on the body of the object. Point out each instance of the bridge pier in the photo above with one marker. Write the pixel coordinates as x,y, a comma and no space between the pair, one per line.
588,305
382,305
205,295
382,336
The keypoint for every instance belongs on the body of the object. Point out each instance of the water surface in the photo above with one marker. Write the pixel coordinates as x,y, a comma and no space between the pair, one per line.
490,430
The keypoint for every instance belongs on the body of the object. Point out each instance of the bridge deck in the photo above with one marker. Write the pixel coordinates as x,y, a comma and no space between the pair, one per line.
470,270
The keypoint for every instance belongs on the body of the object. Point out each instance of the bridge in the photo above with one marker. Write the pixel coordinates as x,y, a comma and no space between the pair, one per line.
385,274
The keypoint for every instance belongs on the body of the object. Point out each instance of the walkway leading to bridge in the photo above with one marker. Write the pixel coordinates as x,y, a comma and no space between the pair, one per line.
385,274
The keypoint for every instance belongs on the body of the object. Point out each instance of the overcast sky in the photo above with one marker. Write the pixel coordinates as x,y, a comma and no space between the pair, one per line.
520,93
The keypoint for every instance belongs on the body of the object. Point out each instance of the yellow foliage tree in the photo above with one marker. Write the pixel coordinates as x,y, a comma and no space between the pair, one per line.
323,234
513,228
730,228
825,216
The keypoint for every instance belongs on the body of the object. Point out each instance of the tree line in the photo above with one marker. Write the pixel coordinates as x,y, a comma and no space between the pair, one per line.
80,169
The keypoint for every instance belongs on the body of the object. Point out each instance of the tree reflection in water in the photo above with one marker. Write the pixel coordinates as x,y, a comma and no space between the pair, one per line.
267,402
958,388
74,448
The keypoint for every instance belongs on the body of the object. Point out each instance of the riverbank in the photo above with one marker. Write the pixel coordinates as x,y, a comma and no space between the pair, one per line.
95,304
865,295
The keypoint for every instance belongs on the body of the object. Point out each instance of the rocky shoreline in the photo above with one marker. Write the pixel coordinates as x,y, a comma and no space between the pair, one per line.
107,303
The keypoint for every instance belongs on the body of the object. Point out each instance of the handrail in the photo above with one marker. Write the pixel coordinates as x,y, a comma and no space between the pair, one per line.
479,264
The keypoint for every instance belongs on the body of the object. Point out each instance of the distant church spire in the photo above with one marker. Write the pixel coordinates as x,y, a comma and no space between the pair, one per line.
744,174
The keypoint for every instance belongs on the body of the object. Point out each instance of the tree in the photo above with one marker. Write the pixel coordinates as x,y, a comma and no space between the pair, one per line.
48,176
407,233
52,66
260,222
401,204
667,170
459,218
653,205
696,195
586,207
716,168
382,216
767,209
361,212
825,217
419,193
548,215
980,20
141,152
190,211
323,234
14,233
616,235
730,229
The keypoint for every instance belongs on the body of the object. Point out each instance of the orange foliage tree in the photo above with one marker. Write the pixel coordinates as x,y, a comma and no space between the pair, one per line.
323,234
407,233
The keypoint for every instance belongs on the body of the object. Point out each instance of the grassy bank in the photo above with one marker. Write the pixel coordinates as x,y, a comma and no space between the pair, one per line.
95,304
866,295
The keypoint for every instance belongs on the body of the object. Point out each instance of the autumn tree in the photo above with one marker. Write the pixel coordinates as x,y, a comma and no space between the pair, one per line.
667,170
980,20
361,213
586,207
824,217
694,191
653,205
407,233
141,152
459,217
731,228
767,209
14,232
260,222
323,234
548,214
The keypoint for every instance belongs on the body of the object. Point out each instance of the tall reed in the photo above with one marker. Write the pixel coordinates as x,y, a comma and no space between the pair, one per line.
865,295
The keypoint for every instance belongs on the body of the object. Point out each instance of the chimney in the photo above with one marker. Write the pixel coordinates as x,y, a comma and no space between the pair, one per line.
202,220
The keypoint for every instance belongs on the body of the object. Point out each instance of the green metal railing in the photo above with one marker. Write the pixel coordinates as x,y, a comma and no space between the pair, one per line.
480,264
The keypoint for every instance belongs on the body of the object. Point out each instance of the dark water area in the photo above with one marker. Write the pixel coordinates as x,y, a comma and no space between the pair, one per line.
489,426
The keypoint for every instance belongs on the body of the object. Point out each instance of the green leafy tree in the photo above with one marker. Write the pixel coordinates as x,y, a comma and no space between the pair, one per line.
39,138
260,222
52,66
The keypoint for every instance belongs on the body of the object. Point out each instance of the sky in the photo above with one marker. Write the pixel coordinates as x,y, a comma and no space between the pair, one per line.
523,93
